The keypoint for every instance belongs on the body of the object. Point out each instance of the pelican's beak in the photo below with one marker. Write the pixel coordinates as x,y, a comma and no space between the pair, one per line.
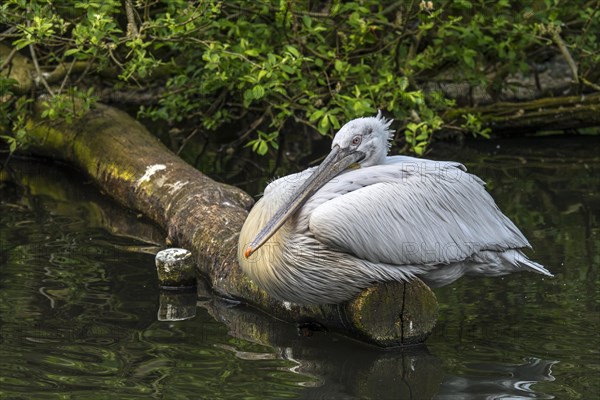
336,162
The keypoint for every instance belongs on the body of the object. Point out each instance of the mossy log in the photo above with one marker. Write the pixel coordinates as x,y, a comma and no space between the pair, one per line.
205,216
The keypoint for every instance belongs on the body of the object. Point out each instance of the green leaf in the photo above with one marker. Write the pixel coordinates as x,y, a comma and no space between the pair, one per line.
258,92
334,121
288,69
263,148
402,83
72,51
307,21
252,52
316,115
22,43
262,73
423,135
324,123
293,51
485,133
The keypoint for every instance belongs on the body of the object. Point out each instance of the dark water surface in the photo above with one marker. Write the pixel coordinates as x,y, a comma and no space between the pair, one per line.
79,302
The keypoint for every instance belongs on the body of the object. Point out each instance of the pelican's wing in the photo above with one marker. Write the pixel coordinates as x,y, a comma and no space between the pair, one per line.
417,212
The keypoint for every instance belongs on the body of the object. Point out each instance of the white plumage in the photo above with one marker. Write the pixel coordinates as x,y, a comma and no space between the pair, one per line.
322,235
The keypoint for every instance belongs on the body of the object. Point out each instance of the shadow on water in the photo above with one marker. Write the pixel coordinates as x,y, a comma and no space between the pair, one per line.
81,315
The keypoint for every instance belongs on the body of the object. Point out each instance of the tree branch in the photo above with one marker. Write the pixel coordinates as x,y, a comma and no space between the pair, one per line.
565,52
40,76
8,58
132,29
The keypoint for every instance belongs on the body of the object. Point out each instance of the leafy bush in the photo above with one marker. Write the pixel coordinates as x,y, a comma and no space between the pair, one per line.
273,63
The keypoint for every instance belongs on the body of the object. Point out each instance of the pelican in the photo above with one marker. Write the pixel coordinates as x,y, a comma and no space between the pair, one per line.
322,235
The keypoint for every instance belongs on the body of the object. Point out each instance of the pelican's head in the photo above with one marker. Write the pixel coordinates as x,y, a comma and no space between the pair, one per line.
370,136
361,142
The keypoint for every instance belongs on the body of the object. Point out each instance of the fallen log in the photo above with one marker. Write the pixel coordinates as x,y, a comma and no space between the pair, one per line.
205,216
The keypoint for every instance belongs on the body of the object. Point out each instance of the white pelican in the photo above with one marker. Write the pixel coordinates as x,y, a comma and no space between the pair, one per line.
324,234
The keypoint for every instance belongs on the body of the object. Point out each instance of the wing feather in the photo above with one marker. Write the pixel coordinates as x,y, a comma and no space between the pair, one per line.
400,214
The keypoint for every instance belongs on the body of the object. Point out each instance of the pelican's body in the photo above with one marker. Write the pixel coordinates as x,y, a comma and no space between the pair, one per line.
377,219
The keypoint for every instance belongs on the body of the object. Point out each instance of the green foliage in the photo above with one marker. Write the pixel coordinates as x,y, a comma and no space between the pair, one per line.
264,141
17,119
473,124
13,113
271,63
68,106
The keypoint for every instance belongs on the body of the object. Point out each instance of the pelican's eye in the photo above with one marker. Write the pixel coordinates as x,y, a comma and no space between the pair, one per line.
356,140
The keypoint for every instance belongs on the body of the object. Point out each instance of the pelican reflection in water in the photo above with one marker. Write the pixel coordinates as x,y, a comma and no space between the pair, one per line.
324,234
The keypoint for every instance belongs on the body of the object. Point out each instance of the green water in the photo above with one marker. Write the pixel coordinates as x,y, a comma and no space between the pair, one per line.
79,303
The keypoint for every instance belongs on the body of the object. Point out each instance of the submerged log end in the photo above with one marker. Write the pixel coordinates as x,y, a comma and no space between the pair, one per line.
394,314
